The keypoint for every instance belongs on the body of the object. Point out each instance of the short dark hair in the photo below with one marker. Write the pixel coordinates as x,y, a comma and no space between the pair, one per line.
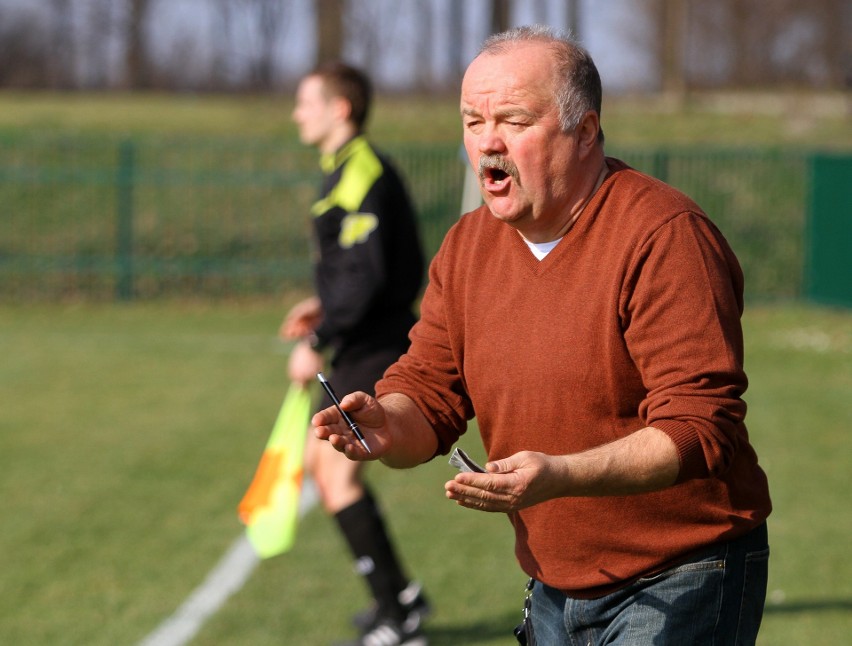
349,83
578,88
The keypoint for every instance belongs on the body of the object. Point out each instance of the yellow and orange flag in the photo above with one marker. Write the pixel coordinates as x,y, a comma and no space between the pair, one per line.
270,507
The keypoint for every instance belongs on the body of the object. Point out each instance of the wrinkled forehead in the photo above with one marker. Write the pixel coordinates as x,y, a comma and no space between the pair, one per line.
522,75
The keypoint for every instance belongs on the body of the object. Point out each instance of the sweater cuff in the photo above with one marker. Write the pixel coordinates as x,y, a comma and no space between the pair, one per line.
689,449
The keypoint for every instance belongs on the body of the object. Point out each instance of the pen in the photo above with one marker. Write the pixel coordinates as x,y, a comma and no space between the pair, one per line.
352,425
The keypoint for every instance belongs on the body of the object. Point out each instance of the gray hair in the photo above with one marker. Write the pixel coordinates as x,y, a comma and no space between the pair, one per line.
578,86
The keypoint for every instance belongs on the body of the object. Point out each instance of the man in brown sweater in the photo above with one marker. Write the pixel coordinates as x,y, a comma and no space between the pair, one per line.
589,317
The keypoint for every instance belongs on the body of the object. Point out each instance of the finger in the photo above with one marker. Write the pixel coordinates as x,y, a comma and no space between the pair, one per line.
460,491
354,451
340,442
506,465
353,402
479,504
469,482
327,431
326,417
345,442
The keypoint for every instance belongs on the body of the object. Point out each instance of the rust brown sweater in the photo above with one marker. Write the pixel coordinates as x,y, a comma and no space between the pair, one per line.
633,320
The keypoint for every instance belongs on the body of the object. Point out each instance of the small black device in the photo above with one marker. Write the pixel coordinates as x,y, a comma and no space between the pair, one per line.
524,631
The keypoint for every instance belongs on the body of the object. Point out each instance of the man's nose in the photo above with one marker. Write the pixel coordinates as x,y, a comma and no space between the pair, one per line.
490,142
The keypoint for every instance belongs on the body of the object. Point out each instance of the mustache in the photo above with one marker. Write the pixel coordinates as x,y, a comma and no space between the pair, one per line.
496,162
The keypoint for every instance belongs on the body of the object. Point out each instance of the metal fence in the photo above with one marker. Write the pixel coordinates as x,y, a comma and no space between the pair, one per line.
99,218
758,199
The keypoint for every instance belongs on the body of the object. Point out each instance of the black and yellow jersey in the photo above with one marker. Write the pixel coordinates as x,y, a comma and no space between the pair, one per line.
369,267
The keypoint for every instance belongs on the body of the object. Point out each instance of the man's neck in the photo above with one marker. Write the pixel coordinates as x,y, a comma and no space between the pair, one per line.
576,211
336,138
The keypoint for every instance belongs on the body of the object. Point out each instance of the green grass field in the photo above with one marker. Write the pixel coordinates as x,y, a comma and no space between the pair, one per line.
787,119
129,433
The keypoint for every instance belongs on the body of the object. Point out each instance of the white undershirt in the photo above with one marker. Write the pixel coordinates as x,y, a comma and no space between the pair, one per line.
541,249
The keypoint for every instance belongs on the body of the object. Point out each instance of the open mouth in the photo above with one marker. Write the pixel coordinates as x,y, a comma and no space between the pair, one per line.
496,176
495,172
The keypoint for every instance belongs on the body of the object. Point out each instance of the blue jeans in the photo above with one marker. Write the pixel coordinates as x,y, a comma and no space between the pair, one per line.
714,600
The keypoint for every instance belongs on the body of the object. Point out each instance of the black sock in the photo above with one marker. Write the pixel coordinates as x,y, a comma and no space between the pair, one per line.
375,559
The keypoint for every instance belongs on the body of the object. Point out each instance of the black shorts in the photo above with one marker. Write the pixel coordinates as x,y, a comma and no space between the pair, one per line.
359,373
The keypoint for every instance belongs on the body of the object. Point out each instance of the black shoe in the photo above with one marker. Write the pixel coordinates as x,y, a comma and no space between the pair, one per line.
389,633
412,600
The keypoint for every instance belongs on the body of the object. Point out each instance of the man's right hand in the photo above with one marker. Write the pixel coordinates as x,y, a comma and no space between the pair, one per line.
394,428
370,417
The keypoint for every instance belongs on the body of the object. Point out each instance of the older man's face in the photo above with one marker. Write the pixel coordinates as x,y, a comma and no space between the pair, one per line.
513,139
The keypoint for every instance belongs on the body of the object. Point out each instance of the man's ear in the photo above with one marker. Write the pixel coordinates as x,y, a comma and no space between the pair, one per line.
341,108
587,131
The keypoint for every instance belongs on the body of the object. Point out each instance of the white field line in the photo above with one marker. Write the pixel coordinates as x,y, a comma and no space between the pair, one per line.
226,578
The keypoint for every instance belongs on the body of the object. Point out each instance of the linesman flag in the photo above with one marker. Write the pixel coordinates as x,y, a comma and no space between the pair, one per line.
270,506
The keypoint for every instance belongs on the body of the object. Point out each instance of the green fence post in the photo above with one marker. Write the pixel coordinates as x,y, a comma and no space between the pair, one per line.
124,221
828,268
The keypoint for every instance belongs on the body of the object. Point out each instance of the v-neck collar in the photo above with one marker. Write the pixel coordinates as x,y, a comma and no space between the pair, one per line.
585,219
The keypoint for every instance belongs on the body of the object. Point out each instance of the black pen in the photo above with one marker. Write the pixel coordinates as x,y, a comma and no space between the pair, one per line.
352,425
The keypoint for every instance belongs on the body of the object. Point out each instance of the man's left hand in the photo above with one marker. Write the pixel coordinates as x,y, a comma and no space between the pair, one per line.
514,483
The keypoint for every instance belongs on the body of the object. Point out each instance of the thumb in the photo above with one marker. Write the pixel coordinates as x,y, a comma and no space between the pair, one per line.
505,465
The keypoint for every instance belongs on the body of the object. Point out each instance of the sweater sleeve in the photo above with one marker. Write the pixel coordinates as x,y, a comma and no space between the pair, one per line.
681,309
428,373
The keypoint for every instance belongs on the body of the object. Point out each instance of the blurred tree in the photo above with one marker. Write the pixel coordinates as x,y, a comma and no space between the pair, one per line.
60,74
330,29
23,56
573,18
220,37
456,39
423,77
95,60
746,37
238,44
836,43
138,71
500,15
270,18
672,18
740,44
